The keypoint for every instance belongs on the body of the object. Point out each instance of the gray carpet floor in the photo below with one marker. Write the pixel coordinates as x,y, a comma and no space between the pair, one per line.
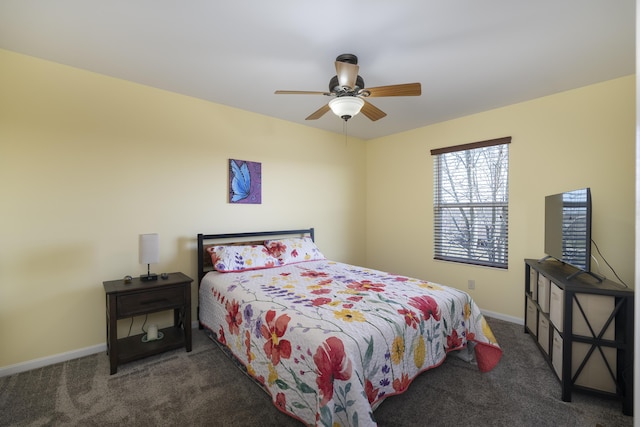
204,387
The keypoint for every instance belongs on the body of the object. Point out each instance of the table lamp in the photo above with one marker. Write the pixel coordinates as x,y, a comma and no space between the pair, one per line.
149,254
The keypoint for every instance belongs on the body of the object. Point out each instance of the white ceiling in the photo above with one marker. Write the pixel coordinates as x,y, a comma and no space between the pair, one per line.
469,55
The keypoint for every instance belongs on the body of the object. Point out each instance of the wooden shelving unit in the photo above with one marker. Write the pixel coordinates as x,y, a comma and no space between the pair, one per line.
583,327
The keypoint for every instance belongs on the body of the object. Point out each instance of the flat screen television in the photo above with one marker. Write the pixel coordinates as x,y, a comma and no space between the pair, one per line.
567,228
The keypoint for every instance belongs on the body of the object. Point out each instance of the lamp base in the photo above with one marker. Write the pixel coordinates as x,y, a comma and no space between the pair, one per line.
145,337
149,277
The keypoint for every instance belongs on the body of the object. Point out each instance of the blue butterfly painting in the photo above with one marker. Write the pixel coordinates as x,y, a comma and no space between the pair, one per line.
245,181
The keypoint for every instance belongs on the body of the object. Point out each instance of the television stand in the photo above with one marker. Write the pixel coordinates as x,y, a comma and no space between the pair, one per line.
584,329
575,273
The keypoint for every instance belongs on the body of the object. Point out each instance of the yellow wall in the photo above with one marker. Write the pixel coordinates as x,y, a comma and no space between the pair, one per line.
88,162
579,138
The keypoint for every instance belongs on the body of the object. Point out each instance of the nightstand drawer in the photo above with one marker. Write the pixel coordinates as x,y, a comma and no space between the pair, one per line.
147,302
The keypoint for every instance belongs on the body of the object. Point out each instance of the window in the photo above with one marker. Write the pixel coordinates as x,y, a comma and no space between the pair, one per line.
470,204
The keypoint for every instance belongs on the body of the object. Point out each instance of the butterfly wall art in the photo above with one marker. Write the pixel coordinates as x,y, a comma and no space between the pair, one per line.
245,182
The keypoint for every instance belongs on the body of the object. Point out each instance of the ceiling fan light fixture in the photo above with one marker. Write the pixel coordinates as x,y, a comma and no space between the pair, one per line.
346,107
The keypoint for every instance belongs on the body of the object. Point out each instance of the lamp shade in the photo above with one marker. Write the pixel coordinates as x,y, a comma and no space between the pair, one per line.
149,248
346,107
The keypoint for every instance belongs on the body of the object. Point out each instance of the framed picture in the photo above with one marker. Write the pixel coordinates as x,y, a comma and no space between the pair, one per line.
245,182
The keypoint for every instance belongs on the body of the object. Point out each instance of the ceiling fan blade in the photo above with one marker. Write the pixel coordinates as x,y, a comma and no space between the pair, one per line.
372,112
347,74
319,112
300,92
407,89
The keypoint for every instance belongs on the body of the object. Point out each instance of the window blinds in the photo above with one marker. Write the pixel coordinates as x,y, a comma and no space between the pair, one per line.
471,198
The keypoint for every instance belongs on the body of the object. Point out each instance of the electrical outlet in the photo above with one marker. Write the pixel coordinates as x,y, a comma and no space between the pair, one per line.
472,284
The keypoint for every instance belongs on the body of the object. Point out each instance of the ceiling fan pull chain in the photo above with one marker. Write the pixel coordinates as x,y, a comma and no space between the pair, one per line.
345,125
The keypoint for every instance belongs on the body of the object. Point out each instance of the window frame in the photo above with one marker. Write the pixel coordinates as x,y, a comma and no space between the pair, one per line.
497,207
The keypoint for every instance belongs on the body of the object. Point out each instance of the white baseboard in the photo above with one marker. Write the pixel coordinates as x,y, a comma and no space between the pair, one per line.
58,358
50,360
504,317
87,351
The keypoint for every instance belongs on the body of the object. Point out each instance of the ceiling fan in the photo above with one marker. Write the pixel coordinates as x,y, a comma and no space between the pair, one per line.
348,92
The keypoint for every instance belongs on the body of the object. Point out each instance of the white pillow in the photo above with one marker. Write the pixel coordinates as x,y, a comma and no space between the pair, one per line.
241,258
290,251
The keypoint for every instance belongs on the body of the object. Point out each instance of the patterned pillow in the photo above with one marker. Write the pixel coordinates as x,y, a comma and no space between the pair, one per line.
289,251
241,258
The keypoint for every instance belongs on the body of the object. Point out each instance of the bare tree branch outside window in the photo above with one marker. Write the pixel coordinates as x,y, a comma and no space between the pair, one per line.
471,204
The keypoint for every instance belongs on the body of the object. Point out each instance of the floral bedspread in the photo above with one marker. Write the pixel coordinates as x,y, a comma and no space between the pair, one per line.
329,340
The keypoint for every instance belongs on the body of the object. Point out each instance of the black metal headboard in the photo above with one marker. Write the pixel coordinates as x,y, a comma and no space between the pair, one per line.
204,267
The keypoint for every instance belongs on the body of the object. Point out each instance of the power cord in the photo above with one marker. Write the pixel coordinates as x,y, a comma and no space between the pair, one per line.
144,323
609,265
142,327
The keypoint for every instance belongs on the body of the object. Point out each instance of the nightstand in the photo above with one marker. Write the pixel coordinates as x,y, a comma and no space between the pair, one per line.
125,300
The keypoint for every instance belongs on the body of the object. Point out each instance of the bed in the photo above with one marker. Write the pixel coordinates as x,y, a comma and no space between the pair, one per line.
329,341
